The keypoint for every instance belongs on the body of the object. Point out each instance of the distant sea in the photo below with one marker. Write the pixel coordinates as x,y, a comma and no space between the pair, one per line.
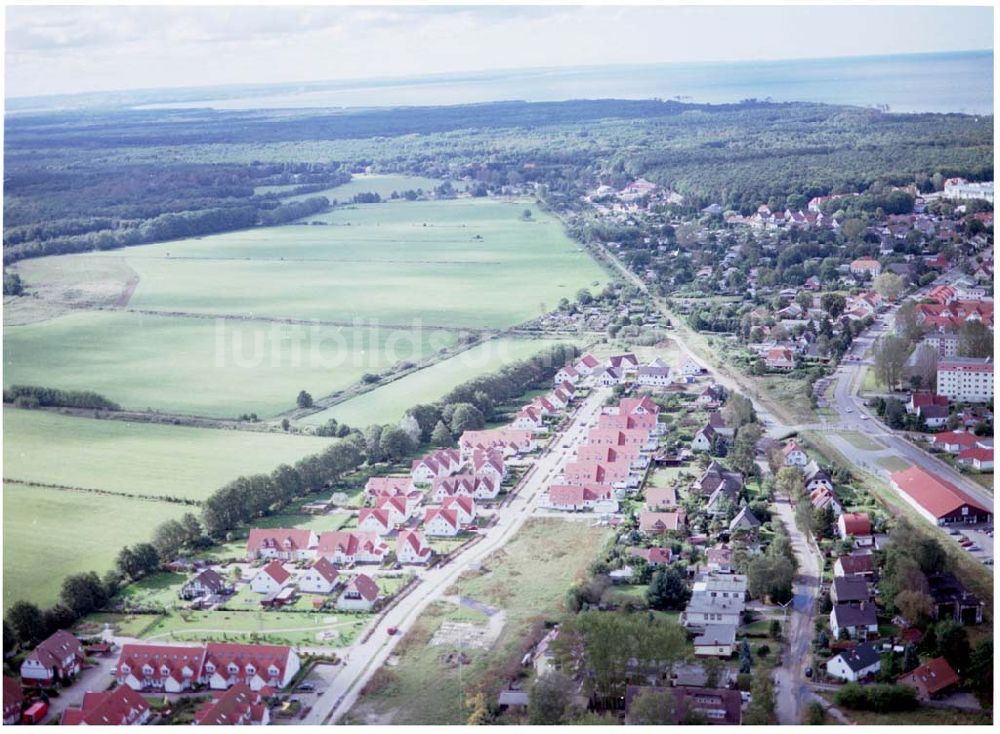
943,82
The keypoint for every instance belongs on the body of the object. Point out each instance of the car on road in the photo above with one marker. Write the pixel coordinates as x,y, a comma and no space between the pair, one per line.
307,686
809,672
392,630
987,561
972,548
849,410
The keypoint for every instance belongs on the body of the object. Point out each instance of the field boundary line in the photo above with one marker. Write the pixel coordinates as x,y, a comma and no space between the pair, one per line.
106,492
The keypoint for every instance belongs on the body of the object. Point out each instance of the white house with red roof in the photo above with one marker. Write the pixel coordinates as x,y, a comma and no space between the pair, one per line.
239,706
464,506
397,507
543,406
344,548
567,373
270,579
257,666
586,365
779,359
978,457
441,522
412,548
576,498
120,707
609,376
657,523
794,455
390,486
954,442
489,463
286,544
625,422
373,520
58,657
530,419
359,595
854,524
319,578
166,668
509,441
865,266
617,474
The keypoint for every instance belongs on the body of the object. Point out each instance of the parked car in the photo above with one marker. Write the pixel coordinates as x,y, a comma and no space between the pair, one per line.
392,631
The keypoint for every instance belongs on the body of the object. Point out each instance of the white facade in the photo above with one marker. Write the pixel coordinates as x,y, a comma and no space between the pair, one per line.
836,667
967,380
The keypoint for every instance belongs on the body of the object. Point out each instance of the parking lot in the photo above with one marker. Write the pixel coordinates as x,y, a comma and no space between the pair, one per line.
976,539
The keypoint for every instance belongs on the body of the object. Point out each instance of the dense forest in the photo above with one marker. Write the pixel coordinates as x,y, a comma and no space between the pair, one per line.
106,179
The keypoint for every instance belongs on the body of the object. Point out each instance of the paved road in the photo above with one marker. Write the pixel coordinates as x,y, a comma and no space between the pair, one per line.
363,659
793,692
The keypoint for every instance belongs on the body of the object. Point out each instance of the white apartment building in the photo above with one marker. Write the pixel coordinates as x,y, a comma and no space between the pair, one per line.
966,379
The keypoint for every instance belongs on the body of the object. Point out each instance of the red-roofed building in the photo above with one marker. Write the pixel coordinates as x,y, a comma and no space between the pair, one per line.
854,524
286,544
344,548
954,442
441,522
931,679
237,706
979,458
120,707
166,668
586,365
390,486
397,507
779,359
60,656
509,441
412,548
614,473
270,579
652,556
866,266
579,497
966,379
657,523
373,520
464,506
937,499
359,595
319,578
529,418
924,399
258,666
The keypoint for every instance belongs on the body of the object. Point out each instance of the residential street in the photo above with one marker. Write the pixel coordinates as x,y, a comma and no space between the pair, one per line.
363,659
793,691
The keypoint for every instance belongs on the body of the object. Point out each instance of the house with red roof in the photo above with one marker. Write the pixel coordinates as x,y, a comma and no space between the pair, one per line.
359,595
618,474
567,373
120,707
954,442
441,522
576,498
509,441
854,524
586,365
235,707
412,548
660,498
374,520
794,455
464,506
58,657
977,457
271,579
653,556
438,463
344,548
13,699
779,359
390,486
932,679
937,499
257,666
530,419
166,668
854,564
489,463
866,266
285,544
658,523
319,578
920,399
397,507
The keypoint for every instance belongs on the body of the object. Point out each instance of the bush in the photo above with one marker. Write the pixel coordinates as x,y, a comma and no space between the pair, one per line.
881,698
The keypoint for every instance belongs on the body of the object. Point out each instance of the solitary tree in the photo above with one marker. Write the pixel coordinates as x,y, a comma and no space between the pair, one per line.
652,707
304,399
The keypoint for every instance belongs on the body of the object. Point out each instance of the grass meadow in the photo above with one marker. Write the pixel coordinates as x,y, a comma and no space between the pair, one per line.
460,263
221,368
382,184
51,533
139,458
387,403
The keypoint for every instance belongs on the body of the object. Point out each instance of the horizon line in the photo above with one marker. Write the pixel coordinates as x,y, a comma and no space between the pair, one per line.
495,70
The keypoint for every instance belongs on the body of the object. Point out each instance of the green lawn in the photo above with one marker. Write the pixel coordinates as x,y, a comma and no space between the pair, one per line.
983,480
139,458
461,262
286,628
387,403
203,366
51,533
527,580
860,441
894,463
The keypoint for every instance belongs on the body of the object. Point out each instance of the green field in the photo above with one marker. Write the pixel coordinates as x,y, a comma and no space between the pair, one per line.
50,533
382,184
139,458
203,366
388,403
400,263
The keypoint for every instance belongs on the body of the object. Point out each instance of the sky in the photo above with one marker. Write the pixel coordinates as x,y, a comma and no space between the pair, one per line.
72,49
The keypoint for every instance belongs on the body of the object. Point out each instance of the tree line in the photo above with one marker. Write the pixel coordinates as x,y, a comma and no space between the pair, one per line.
32,396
